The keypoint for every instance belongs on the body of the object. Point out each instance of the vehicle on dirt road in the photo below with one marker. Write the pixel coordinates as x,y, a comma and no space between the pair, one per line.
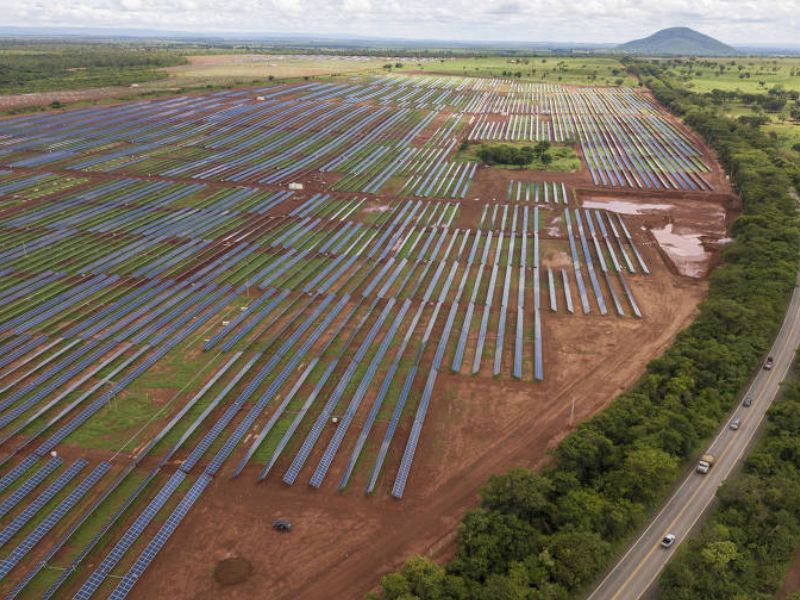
282,525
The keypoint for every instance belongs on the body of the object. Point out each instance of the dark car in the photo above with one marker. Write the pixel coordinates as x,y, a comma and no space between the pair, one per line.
748,401
281,525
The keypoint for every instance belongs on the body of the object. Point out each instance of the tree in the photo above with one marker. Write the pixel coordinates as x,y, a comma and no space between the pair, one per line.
577,556
586,453
522,493
490,540
541,148
513,586
644,473
718,555
421,578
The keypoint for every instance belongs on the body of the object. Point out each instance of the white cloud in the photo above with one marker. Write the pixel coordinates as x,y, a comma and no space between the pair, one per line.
732,21
356,6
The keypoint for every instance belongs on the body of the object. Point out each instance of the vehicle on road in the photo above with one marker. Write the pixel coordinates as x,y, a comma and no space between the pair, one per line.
768,364
705,463
748,401
282,525
735,423
668,540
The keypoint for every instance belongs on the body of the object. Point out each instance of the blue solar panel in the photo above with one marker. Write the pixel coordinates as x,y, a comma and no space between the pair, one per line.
52,519
40,501
18,471
130,536
29,485
157,543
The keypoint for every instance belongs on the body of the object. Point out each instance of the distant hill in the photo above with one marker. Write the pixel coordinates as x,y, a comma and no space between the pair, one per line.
677,41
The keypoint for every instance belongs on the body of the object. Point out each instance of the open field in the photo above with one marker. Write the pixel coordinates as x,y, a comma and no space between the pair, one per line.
576,70
293,301
201,71
232,69
747,74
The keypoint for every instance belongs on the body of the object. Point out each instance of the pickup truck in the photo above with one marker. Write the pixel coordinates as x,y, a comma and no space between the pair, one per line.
705,464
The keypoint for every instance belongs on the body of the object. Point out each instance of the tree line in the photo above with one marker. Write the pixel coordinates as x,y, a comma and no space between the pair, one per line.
520,156
35,68
548,535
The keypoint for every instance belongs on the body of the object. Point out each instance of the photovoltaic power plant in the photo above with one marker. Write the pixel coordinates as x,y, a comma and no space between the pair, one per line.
308,329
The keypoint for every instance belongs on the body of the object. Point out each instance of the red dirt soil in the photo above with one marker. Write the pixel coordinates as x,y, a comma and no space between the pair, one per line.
791,583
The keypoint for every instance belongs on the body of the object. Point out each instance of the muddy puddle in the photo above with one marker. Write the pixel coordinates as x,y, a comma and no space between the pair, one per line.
685,250
626,208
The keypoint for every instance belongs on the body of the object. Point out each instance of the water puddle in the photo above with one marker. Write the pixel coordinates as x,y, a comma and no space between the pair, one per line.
553,228
379,209
685,250
625,208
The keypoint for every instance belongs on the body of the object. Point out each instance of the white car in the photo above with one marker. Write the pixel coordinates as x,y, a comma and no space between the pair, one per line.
668,540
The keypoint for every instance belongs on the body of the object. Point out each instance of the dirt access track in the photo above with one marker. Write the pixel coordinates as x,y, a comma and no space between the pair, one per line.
342,543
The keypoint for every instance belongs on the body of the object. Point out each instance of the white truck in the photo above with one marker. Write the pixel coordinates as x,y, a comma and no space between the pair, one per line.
705,464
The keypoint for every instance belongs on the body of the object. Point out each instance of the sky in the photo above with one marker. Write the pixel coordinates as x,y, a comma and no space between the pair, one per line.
736,22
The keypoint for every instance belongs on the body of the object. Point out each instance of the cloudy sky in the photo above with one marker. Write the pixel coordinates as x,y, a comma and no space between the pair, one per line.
733,21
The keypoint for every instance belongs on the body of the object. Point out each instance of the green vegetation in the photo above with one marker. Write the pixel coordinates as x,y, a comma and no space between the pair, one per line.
744,549
744,74
38,68
549,535
759,91
518,156
542,156
578,70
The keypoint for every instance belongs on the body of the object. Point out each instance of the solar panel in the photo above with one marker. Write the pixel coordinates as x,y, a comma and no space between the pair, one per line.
157,543
29,485
40,501
52,519
101,572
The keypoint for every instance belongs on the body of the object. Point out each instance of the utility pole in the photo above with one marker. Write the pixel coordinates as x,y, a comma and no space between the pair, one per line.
572,410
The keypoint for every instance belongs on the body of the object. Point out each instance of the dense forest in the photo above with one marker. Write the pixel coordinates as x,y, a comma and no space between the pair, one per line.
38,68
549,535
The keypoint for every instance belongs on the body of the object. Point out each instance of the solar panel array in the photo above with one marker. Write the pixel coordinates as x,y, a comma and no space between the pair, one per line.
319,319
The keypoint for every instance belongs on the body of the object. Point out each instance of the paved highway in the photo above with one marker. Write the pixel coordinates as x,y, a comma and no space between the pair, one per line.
638,569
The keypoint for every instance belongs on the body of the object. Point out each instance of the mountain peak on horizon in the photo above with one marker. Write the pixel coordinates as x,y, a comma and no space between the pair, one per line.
678,41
